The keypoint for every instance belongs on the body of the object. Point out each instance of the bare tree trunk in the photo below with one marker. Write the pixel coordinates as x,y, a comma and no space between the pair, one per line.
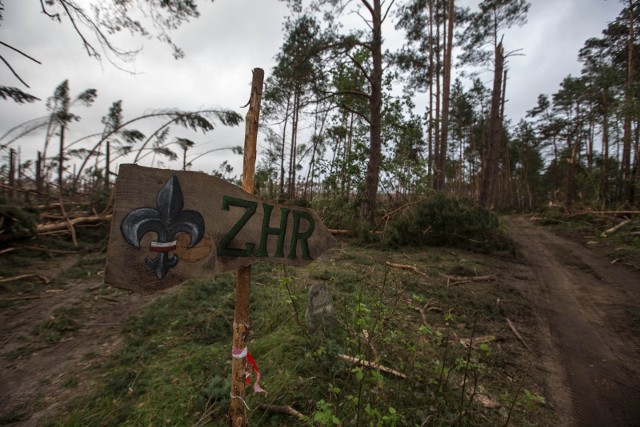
107,169
627,179
637,161
346,176
437,119
571,167
572,162
61,159
474,189
12,173
39,173
312,163
506,180
446,88
487,191
282,149
184,157
294,144
372,176
431,74
636,189
592,126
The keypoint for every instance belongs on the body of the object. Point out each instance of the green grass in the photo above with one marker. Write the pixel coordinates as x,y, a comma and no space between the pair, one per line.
174,367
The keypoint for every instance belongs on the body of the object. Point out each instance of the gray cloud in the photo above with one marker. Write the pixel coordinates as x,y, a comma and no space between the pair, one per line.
225,43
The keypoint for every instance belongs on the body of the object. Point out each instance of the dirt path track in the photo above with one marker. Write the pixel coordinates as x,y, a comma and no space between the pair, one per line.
589,316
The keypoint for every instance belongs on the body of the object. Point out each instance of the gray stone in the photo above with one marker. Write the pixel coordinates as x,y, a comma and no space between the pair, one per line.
321,315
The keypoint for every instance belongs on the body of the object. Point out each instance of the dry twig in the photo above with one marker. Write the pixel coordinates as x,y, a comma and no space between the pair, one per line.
406,267
615,228
458,280
43,279
516,333
21,298
387,216
372,365
336,232
72,230
57,226
477,340
42,248
288,410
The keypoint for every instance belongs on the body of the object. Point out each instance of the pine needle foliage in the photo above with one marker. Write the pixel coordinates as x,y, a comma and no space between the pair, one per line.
447,221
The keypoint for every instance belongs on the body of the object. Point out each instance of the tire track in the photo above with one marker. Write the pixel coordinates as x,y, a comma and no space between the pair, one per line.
589,344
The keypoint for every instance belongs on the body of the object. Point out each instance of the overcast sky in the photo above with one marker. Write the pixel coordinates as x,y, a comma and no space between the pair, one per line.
229,39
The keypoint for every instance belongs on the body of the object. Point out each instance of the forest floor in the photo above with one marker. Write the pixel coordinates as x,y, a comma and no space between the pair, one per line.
582,344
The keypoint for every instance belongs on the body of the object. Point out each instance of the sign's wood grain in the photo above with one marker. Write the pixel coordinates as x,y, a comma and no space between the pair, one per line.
156,221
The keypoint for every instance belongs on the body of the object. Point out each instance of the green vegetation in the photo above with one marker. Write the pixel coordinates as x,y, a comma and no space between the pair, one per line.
174,367
446,221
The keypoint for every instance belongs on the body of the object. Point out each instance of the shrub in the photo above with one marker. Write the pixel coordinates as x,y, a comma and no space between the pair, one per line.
337,212
446,221
15,219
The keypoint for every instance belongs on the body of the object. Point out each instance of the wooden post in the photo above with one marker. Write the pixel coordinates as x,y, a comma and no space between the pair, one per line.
241,322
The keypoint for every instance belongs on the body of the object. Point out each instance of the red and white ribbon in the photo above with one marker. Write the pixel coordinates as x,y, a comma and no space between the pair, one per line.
238,353
163,246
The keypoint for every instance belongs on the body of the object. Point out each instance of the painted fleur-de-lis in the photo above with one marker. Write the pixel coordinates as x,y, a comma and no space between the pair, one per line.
166,221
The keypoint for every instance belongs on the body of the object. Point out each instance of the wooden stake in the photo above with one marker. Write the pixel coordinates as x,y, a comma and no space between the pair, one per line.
241,322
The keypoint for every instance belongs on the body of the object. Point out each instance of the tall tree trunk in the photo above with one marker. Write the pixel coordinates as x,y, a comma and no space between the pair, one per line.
506,180
282,148
347,160
572,161
637,162
39,179
446,89
184,157
312,163
12,173
294,144
368,208
487,190
627,178
431,75
107,162
571,172
592,126
604,174
437,119
61,159
474,190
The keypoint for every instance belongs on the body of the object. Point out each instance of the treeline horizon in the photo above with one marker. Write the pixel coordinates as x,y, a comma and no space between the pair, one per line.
335,124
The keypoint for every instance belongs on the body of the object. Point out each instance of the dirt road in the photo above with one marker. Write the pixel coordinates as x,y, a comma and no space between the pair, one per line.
589,317
40,371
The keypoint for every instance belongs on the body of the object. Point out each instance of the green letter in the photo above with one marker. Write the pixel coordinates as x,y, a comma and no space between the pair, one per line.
302,237
266,230
223,248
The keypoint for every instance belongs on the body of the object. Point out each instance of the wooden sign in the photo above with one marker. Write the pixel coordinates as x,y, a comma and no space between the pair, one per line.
169,226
